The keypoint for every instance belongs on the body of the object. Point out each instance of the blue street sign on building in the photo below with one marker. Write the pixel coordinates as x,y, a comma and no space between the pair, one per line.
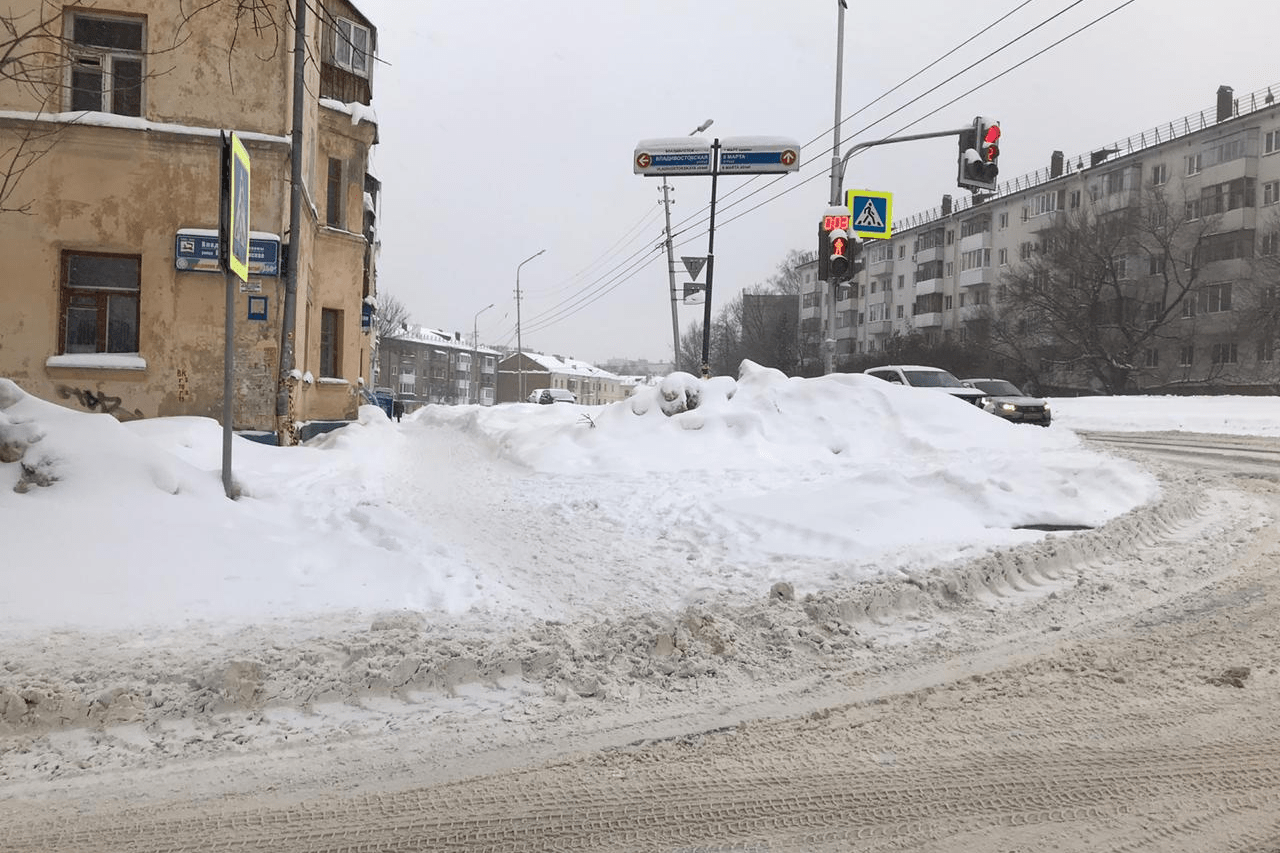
196,250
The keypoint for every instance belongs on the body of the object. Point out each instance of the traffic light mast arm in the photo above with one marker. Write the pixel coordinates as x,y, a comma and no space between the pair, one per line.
844,161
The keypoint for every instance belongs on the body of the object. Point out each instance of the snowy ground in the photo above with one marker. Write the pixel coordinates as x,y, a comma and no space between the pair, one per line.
474,564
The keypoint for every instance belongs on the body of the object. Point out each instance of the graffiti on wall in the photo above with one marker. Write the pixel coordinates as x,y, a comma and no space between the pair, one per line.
96,401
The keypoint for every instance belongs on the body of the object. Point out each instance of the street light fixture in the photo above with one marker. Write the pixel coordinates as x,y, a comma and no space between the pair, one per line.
475,354
519,343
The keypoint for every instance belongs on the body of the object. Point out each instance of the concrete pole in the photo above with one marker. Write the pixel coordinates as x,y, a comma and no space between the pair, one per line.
475,353
671,275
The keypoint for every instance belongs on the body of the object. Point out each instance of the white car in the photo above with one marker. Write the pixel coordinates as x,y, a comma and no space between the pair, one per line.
916,376
548,396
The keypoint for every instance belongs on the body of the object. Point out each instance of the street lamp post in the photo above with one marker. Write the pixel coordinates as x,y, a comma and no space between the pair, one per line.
475,354
519,343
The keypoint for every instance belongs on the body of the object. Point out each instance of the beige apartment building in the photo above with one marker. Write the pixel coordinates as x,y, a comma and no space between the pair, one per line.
945,275
112,297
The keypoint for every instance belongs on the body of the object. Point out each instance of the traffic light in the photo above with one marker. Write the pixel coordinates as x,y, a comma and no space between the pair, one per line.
979,155
835,220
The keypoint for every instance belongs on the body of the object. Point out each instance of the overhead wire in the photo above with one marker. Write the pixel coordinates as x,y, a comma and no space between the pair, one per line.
629,268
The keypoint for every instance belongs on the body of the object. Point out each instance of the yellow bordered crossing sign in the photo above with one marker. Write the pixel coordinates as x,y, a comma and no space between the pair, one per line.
238,253
870,213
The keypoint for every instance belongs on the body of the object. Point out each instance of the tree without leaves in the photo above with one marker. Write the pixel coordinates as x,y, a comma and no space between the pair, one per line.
1101,288
392,317
36,54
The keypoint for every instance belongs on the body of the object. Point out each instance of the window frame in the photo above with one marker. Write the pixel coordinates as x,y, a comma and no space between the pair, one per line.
346,43
330,366
81,55
102,297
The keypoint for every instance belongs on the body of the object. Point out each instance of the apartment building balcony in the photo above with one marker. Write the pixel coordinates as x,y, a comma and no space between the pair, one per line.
1240,219
937,253
970,313
981,240
880,267
930,285
932,319
975,277
879,328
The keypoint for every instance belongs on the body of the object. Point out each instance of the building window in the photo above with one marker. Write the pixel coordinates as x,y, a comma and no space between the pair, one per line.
1271,142
1266,349
900,280
106,63
1270,243
1224,354
1271,192
333,195
1215,298
100,302
330,343
899,312
1186,355
351,49
1231,195
1004,257
1075,199
1004,219
1159,174
1151,358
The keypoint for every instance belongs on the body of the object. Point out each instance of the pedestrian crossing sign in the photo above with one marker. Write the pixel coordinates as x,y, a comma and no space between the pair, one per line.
870,212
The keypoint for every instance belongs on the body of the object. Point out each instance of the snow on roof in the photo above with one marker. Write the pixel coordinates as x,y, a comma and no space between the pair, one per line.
570,366
438,338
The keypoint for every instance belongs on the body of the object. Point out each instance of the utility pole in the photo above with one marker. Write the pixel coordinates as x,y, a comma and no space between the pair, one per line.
671,275
289,310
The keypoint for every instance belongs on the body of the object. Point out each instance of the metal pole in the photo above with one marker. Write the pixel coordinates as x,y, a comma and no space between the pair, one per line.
228,391
289,311
829,351
519,343
475,353
711,263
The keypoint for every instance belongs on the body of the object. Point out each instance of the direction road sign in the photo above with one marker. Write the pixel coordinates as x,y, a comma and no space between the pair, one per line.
675,156
759,155
871,212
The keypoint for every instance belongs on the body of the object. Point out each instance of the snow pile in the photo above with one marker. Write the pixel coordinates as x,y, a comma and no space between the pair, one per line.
526,512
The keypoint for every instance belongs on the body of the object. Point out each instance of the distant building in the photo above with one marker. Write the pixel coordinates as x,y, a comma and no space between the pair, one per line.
944,274
425,366
521,373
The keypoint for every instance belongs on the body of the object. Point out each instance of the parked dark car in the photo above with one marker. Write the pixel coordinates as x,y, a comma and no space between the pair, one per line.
1005,400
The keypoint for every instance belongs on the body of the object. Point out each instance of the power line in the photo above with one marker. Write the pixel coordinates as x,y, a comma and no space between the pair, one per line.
602,286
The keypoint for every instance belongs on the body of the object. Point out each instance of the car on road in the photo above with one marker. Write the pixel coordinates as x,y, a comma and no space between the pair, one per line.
918,376
1005,400
547,396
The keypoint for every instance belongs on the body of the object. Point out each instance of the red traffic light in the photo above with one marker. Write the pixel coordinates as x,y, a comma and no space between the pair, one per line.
837,246
993,135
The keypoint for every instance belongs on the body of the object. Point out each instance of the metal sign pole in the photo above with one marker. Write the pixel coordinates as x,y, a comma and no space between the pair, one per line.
228,350
711,263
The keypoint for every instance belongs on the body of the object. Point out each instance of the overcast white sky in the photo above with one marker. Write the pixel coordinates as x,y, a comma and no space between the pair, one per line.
509,127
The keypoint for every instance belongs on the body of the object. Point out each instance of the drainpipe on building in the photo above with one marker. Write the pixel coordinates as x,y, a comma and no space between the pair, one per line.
289,313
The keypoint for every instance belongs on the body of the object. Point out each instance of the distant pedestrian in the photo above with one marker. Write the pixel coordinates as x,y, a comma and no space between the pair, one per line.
397,409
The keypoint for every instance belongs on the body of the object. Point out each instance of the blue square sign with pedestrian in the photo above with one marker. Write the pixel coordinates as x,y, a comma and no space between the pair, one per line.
870,213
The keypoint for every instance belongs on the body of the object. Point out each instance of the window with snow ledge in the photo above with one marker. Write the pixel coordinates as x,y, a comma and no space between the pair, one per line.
106,62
